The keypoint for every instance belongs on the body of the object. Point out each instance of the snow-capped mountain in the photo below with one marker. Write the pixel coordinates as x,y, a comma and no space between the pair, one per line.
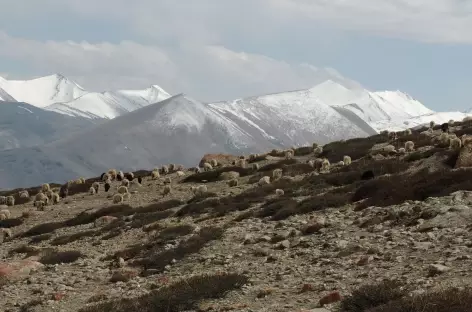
181,130
62,95
25,125
110,104
293,118
370,106
41,91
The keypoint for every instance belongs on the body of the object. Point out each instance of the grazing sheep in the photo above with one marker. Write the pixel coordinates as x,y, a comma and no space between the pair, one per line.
367,175
409,146
207,167
255,166
125,182
179,168
102,176
5,233
129,176
167,190
41,197
455,143
167,180
155,175
3,217
213,163
253,157
117,198
6,212
451,122
45,187
10,201
318,163
233,182
277,174
112,173
180,173
140,180
92,190
408,131
264,181
241,163
55,198
120,176
325,165
445,127
126,196
401,150
200,190
107,186
468,118
389,149
3,200
40,205
105,177
347,160
96,186
392,136
122,189
311,162
289,154
444,138
340,163
279,192
432,124
23,194
171,167
318,150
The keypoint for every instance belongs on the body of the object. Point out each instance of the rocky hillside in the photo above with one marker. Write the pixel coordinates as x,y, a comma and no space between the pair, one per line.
389,231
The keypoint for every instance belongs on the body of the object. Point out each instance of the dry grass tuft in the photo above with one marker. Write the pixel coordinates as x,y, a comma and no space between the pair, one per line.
57,257
370,296
179,296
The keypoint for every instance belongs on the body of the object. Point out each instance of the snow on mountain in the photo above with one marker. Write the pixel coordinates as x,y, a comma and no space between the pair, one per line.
370,106
293,118
181,130
423,120
25,125
110,104
42,91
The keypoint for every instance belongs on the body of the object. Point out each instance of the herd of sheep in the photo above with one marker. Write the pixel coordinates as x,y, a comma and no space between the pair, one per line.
48,195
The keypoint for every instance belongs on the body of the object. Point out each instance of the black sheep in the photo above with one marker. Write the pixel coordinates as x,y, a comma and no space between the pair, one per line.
367,175
445,127
101,177
129,176
107,187
64,191
140,180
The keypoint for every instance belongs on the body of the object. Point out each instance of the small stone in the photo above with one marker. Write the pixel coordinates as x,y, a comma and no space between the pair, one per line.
436,269
284,244
332,297
365,260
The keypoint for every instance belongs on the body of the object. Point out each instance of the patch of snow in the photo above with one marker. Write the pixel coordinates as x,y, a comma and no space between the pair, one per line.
42,91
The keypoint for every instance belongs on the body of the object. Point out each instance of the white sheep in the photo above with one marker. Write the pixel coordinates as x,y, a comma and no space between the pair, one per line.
347,160
264,181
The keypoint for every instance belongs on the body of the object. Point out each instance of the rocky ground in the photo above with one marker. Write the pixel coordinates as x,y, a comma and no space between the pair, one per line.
328,234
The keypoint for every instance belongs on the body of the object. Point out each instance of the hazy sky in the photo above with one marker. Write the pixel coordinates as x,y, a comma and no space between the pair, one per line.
221,49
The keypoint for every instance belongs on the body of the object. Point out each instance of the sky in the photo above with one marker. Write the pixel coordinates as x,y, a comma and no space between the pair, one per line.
222,50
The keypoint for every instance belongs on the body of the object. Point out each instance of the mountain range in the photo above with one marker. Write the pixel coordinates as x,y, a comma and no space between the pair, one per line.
52,129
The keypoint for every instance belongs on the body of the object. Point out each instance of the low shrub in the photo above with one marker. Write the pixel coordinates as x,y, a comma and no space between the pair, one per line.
179,296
